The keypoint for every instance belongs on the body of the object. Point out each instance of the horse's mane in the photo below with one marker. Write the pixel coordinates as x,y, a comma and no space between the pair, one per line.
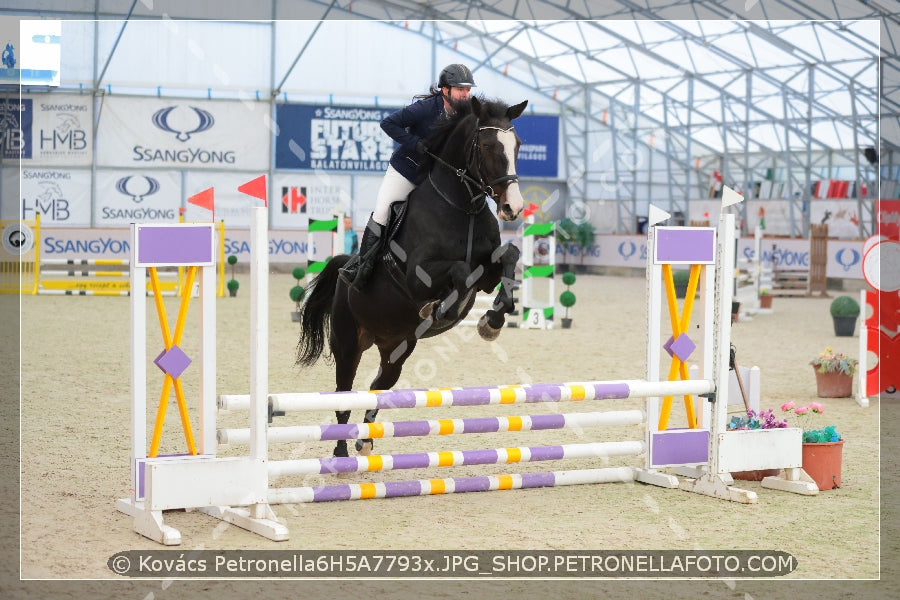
491,110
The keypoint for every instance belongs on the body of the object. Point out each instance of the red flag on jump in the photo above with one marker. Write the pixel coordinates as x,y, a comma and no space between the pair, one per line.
529,210
204,199
256,188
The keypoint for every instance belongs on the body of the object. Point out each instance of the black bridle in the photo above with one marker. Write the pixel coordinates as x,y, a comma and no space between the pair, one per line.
478,188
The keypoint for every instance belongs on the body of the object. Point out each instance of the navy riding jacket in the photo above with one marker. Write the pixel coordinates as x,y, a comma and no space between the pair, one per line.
406,127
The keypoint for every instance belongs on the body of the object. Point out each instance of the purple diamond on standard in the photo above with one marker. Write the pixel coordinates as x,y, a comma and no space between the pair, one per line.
172,361
683,347
668,345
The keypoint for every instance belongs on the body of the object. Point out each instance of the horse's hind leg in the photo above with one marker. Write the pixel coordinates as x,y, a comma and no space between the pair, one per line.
392,358
346,350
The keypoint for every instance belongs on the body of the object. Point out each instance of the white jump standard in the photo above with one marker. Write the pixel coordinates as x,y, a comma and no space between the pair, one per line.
202,481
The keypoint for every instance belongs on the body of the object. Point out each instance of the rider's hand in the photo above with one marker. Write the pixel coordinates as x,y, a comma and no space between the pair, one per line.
421,148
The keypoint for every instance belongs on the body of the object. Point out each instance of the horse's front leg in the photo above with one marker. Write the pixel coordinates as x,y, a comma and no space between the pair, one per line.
490,325
462,283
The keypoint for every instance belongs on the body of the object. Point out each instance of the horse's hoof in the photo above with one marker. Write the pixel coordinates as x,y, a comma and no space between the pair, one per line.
485,330
364,448
428,309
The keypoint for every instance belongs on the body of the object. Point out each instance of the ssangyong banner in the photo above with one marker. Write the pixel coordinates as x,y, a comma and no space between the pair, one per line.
61,196
332,138
125,197
186,134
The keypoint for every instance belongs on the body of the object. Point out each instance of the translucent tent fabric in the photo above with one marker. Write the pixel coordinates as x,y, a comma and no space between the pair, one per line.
739,85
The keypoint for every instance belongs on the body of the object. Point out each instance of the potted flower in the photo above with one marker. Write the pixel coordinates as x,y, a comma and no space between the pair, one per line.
822,447
567,298
232,284
834,374
765,419
297,292
844,312
765,298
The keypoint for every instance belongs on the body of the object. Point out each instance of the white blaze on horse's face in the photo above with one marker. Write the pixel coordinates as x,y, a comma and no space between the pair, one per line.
511,202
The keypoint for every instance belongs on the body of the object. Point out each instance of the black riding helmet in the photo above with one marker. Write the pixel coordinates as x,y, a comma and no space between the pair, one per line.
456,76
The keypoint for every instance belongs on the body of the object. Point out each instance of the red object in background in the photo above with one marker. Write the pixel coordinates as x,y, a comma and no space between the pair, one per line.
256,188
888,218
204,199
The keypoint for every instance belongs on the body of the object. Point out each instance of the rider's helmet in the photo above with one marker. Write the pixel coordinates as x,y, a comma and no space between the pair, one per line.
456,75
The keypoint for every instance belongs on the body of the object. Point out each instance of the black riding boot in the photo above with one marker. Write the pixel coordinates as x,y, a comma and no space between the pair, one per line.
358,272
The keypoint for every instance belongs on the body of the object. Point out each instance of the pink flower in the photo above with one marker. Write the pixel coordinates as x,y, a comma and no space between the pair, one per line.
802,410
787,405
816,407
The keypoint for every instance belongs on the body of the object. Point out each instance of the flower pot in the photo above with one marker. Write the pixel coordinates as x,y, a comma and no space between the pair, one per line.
681,290
566,323
833,385
735,311
232,293
822,462
765,301
756,475
844,326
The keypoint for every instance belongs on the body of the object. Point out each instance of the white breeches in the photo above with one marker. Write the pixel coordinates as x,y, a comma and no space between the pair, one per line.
394,187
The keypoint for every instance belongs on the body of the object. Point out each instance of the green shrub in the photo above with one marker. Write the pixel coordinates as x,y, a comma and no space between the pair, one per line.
844,306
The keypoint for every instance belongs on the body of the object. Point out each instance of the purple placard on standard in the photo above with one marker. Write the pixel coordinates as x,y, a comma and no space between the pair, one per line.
678,447
174,245
685,245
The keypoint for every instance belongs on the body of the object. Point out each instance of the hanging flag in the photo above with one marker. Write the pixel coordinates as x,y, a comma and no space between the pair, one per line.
256,188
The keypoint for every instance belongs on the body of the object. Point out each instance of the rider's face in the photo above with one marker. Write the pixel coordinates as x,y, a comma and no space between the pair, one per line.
454,94
459,93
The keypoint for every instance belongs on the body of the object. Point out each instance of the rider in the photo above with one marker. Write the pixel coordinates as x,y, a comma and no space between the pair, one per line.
409,127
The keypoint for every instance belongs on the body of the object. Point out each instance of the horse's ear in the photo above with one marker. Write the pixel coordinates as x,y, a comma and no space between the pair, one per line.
476,106
515,111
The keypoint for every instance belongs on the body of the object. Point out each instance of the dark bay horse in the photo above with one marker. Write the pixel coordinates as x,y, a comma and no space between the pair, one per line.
441,251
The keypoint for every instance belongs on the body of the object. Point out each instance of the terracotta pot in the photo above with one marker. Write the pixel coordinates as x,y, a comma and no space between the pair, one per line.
833,385
822,462
756,475
765,301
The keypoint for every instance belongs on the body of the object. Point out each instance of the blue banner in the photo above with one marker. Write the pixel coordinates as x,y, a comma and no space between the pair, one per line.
16,119
350,138
539,153
332,138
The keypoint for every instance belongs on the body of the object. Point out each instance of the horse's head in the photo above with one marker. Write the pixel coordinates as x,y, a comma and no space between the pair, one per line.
498,147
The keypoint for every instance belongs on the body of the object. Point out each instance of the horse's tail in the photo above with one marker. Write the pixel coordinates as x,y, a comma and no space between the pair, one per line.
315,315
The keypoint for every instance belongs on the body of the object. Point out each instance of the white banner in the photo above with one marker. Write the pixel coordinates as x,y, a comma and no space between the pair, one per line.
62,131
125,197
61,196
10,202
299,197
231,206
188,134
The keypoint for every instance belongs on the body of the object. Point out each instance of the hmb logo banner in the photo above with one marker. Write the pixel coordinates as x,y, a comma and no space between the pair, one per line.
16,122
